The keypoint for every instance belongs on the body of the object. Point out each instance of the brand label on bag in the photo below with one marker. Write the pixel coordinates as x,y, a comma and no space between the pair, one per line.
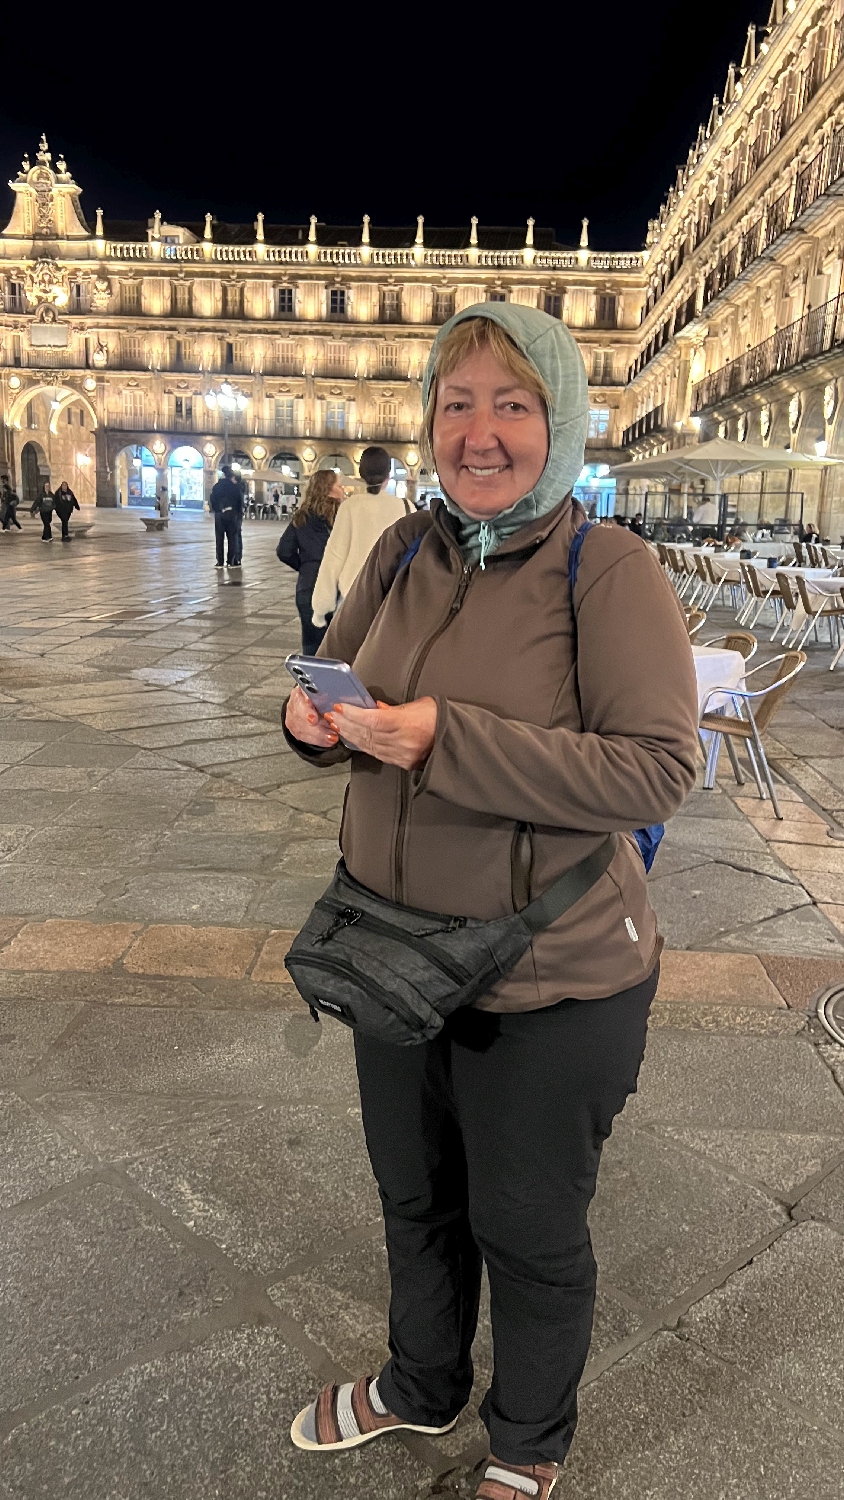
631,930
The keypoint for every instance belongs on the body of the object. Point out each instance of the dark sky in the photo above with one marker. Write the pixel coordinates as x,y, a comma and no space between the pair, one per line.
500,112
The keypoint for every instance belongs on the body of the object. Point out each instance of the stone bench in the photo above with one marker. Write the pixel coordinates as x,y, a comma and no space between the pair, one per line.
155,523
82,530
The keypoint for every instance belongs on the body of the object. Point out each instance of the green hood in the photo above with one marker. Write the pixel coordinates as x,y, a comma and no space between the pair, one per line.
555,356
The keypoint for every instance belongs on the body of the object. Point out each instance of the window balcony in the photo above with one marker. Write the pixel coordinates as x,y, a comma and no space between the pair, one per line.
816,333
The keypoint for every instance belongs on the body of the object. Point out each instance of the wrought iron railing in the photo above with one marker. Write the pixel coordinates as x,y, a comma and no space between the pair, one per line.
815,333
652,421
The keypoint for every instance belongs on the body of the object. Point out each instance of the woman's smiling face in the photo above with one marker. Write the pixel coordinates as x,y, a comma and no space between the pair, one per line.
490,436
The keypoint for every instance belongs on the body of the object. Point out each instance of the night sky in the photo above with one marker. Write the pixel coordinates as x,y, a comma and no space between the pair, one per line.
570,112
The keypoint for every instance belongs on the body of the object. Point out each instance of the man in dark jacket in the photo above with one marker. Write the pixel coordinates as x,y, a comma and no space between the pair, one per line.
226,503
9,506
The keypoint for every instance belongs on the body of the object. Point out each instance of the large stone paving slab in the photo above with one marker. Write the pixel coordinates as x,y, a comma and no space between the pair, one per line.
209,1421
251,1055
695,906
33,1157
671,1422
88,1277
28,1031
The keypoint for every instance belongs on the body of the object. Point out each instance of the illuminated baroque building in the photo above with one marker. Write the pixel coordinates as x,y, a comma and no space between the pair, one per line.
743,324
730,321
114,336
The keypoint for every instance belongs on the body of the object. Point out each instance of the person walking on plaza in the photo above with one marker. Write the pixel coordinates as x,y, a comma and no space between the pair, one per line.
9,506
226,501
528,737
66,503
162,504
44,504
360,523
303,543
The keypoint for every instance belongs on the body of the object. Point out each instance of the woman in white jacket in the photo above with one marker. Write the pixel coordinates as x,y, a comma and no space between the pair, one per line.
360,522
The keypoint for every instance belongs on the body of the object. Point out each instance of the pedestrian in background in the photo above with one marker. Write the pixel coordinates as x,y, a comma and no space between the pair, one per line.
9,506
303,544
226,501
66,503
360,524
162,504
44,504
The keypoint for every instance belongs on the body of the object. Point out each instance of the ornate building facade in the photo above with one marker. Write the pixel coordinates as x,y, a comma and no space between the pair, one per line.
742,331
117,339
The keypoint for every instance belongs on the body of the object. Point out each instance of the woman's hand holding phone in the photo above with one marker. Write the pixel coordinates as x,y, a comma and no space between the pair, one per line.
401,736
307,724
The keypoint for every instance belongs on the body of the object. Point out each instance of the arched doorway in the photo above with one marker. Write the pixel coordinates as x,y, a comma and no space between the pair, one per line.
135,475
186,484
34,470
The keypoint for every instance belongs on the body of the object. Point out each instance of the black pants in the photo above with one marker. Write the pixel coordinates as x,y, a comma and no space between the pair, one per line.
10,519
485,1144
311,634
46,525
226,528
64,517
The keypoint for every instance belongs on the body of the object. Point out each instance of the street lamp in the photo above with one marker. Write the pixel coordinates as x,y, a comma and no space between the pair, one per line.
227,400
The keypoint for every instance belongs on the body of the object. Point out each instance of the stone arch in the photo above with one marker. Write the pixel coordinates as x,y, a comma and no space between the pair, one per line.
62,394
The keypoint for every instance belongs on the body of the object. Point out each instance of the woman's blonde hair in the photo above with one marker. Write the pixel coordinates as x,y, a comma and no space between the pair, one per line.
471,337
319,500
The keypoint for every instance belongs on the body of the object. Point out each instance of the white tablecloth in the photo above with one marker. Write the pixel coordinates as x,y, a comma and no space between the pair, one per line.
715,667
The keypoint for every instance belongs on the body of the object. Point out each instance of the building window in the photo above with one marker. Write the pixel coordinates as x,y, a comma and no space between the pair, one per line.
77,296
599,421
181,298
133,406
443,306
285,301
132,352
183,408
336,359
337,302
130,297
15,297
497,297
284,416
387,419
31,419
391,304
286,359
602,366
229,356
388,359
335,418
81,416
554,304
606,310
232,300
69,416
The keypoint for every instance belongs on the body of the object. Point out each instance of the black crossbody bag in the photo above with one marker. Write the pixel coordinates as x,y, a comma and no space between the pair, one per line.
396,974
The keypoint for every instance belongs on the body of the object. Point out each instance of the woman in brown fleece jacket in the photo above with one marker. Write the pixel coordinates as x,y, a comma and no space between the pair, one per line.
517,726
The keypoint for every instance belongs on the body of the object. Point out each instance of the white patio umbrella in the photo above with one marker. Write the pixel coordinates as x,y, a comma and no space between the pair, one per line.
717,460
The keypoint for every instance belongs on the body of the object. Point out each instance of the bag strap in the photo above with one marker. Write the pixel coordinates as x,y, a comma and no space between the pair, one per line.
574,554
569,888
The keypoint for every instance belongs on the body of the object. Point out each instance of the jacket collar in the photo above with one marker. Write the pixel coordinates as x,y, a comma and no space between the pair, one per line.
523,540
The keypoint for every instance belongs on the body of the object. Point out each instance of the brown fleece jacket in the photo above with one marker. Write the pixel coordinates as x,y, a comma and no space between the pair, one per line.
548,736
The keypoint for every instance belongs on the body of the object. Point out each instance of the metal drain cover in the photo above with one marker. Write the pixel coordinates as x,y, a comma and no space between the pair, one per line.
830,1009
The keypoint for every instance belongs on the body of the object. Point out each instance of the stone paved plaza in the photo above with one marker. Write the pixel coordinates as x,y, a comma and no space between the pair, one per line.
189,1234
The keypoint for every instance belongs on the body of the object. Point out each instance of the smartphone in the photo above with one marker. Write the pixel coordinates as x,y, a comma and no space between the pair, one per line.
327,682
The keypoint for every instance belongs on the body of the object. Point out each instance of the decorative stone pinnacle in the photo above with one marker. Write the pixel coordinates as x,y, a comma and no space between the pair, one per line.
584,234
43,154
529,235
473,236
156,224
99,232
420,229
364,234
259,228
312,239
207,235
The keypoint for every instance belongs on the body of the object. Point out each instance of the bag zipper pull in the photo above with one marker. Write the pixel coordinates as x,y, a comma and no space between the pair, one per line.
347,917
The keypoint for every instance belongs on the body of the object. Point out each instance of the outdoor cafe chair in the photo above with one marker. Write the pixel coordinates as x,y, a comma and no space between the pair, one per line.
819,607
790,605
736,640
695,619
814,554
799,557
753,713
758,596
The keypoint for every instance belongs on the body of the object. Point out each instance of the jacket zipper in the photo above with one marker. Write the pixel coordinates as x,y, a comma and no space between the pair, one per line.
416,940
404,787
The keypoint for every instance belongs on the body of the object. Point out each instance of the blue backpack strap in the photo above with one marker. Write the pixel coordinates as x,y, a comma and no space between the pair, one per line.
409,555
575,550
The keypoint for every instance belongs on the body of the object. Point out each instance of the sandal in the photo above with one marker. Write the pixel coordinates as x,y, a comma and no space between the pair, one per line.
512,1482
344,1416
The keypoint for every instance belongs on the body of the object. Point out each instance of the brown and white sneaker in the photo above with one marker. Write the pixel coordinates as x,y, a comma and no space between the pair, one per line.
512,1482
344,1416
